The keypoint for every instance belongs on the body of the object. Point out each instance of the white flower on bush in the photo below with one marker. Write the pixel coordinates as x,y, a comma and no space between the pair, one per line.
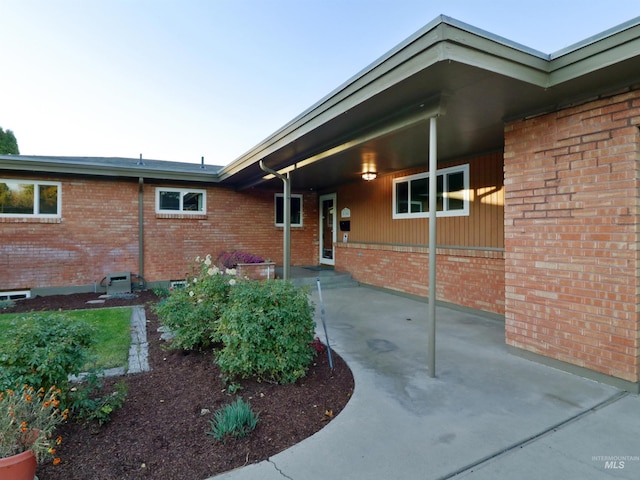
198,259
230,271
213,271
232,282
207,260
191,293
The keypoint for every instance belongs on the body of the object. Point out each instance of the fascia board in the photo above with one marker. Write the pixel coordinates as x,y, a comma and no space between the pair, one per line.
591,62
608,48
69,168
496,64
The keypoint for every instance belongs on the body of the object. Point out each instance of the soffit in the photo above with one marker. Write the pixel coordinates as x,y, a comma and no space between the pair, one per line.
483,79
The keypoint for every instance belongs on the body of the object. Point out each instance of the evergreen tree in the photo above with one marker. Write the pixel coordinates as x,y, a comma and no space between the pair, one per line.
8,142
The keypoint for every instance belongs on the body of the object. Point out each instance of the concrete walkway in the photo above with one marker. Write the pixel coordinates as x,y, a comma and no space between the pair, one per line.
486,415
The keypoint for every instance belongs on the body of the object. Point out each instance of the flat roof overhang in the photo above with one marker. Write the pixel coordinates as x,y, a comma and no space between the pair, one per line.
471,80
113,167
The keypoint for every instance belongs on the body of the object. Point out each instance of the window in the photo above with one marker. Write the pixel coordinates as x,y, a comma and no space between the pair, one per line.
28,198
178,200
296,210
411,194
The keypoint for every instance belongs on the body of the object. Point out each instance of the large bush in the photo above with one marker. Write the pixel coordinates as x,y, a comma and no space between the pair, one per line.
266,331
191,312
43,349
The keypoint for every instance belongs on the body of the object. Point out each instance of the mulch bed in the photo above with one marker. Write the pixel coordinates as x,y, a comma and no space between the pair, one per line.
160,433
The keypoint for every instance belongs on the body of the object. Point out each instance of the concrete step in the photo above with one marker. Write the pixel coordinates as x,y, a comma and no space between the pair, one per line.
329,278
338,280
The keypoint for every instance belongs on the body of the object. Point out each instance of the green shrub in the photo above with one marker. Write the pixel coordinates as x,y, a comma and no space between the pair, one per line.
236,419
43,349
266,331
191,312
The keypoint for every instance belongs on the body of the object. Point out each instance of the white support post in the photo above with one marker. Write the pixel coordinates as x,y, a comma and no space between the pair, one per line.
433,186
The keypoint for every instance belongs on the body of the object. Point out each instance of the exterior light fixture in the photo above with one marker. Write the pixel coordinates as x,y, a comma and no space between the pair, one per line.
369,175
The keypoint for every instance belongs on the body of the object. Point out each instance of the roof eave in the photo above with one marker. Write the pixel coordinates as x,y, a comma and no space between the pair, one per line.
23,164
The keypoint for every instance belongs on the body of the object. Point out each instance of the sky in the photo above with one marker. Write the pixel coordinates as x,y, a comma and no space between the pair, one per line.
184,79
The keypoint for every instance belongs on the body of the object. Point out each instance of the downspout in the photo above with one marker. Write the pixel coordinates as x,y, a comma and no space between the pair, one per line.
433,186
286,211
141,229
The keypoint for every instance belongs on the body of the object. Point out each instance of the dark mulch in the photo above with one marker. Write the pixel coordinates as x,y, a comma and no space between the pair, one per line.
160,433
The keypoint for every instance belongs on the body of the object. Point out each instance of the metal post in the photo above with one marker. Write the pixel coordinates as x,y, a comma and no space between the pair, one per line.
287,227
286,211
433,185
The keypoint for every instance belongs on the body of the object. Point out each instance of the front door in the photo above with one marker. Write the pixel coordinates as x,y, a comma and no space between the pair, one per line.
328,230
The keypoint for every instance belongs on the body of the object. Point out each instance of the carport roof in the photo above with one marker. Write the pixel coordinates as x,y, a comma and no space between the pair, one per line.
472,80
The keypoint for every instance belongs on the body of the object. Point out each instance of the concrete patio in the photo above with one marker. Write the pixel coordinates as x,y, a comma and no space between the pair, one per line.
487,414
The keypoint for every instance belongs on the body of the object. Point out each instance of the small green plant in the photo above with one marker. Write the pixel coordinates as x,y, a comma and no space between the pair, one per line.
191,313
234,388
87,406
267,331
236,419
162,292
4,304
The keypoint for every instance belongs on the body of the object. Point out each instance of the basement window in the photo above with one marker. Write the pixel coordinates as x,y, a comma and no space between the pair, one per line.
296,210
179,200
411,194
28,198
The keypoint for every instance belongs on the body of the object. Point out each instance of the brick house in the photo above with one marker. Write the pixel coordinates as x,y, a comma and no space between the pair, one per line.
537,194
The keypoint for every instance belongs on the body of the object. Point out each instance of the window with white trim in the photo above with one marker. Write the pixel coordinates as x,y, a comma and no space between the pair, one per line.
29,198
411,194
181,200
296,210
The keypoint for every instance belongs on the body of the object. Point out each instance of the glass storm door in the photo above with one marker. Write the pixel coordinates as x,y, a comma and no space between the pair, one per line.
327,228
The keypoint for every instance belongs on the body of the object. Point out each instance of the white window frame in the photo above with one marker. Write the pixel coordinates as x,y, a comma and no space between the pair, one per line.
36,199
445,212
183,192
275,209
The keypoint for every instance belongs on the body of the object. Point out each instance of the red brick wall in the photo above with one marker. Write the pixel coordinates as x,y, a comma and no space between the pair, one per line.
571,235
95,236
98,234
234,221
467,277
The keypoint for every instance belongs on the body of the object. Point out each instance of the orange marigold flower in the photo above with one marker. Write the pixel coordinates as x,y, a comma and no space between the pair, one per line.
27,397
56,460
59,440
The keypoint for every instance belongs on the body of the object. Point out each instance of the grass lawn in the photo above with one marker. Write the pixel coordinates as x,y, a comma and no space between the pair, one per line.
113,333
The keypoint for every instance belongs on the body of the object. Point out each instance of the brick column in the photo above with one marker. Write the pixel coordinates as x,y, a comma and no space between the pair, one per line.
571,235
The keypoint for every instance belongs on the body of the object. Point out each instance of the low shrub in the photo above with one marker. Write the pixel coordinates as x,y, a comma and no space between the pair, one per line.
191,312
236,419
43,349
266,330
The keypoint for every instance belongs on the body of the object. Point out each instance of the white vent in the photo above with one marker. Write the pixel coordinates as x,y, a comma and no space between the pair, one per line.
15,295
